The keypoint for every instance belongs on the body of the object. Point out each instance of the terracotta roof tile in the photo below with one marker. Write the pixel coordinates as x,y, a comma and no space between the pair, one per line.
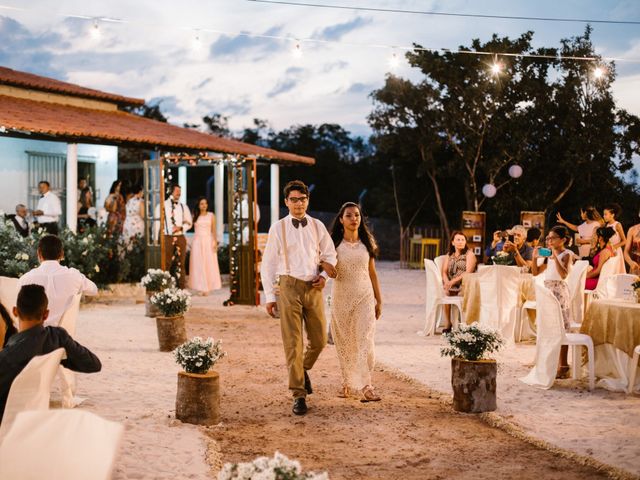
117,127
36,82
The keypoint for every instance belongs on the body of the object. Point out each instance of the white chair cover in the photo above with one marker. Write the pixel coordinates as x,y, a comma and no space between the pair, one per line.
9,295
576,282
433,295
550,334
619,286
67,377
609,269
439,261
60,445
31,389
619,261
499,296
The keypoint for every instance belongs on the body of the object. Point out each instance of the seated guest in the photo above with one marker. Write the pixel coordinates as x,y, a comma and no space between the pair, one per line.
61,283
19,220
459,260
7,328
603,253
496,244
33,339
533,237
85,207
516,247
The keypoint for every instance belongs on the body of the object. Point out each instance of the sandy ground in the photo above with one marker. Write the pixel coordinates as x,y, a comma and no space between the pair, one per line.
412,433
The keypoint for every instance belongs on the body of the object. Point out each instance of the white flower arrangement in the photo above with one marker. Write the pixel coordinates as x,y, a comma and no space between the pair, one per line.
264,468
198,356
501,258
157,280
172,302
471,342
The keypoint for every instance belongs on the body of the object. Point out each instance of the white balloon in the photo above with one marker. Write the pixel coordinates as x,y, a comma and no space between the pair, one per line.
489,190
515,171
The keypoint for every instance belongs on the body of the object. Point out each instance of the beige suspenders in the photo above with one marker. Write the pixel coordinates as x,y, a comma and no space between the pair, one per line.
284,242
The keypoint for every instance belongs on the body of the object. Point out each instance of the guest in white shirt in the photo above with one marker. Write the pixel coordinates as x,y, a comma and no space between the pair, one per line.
60,283
19,220
296,247
177,220
49,209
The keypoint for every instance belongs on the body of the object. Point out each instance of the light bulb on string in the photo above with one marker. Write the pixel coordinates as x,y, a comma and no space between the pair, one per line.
94,31
394,61
297,50
599,73
515,171
496,68
196,44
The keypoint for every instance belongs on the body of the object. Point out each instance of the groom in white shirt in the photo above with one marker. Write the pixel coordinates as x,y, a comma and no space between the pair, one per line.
49,209
296,246
177,220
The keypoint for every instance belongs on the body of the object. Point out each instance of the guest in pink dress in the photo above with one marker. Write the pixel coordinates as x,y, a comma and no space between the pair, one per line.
604,252
204,273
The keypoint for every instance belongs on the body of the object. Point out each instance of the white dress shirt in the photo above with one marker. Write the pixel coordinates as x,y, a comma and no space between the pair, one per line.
60,284
49,203
305,251
180,214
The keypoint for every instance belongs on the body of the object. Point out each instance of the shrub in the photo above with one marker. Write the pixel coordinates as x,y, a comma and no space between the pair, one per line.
157,280
471,342
198,356
172,302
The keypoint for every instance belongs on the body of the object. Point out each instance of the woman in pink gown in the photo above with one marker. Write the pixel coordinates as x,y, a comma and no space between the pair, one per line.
204,273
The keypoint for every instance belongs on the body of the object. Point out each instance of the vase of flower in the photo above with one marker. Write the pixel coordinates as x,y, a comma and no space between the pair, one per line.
153,282
172,304
263,467
198,393
473,377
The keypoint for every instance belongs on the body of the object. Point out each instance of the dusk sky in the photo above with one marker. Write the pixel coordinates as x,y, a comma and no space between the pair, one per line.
152,52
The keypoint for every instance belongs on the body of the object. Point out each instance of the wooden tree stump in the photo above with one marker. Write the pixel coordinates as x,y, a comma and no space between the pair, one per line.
474,385
150,310
198,398
171,332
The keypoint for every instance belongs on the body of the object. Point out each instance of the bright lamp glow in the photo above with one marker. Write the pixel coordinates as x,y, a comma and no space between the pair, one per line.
496,68
515,171
94,31
197,42
599,72
394,61
489,190
297,51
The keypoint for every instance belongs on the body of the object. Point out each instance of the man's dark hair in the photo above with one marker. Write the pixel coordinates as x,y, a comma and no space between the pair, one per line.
50,247
32,302
173,187
296,185
45,182
533,234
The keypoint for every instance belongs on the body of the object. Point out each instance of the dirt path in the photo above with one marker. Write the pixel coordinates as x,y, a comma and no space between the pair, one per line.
408,435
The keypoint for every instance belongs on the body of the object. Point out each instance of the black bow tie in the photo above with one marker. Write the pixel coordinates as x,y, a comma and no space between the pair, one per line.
297,223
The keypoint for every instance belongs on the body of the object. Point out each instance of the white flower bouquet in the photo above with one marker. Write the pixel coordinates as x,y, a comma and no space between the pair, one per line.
197,355
471,342
263,468
157,280
172,302
502,258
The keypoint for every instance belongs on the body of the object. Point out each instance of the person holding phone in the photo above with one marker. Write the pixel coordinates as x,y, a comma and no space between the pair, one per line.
556,267
515,245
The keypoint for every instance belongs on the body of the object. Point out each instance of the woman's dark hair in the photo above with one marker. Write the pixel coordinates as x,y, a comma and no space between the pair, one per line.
592,214
83,197
114,185
10,328
196,214
614,208
137,188
533,234
605,233
337,230
452,249
562,232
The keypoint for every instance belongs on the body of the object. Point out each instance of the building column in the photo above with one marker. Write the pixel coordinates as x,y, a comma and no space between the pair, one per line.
72,186
182,181
219,200
275,193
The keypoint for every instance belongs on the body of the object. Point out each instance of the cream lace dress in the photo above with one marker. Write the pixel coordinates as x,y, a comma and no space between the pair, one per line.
353,318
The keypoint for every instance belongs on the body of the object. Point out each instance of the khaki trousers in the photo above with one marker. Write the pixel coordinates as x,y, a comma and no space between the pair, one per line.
169,247
300,304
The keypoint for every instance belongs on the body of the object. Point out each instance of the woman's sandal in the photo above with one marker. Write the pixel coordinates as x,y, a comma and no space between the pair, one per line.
563,372
344,392
369,395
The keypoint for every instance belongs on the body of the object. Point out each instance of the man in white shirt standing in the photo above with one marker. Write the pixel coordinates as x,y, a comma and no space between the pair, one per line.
177,220
49,209
60,283
296,247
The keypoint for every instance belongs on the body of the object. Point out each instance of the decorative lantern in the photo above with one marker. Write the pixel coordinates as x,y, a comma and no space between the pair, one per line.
515,171
489,190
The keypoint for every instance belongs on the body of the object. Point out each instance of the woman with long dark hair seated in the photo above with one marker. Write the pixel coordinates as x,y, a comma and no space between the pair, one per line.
459,260
6,326
604,252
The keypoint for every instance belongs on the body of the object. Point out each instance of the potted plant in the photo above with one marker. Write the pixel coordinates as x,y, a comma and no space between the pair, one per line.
636,288
473,377
172,304
153,282
279,467
198,397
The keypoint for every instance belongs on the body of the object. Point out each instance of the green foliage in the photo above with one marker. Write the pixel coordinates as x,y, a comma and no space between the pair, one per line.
223,258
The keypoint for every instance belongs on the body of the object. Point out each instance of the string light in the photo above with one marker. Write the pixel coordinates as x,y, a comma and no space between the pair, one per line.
599,73
496,68
197,42
297,50
394,61
94,31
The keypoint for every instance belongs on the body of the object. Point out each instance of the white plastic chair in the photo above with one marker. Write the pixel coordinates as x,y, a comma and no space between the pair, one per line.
601,291
439,261
576,281
67,377
435,298
499,299
619,286
633,368
31,389
527,305
9,295
550,337
60,445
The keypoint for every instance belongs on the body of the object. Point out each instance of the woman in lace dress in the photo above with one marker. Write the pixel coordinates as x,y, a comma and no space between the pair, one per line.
204,273
356,302
134,220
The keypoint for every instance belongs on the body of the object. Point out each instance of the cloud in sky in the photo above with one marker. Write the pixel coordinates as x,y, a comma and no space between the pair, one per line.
151,55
